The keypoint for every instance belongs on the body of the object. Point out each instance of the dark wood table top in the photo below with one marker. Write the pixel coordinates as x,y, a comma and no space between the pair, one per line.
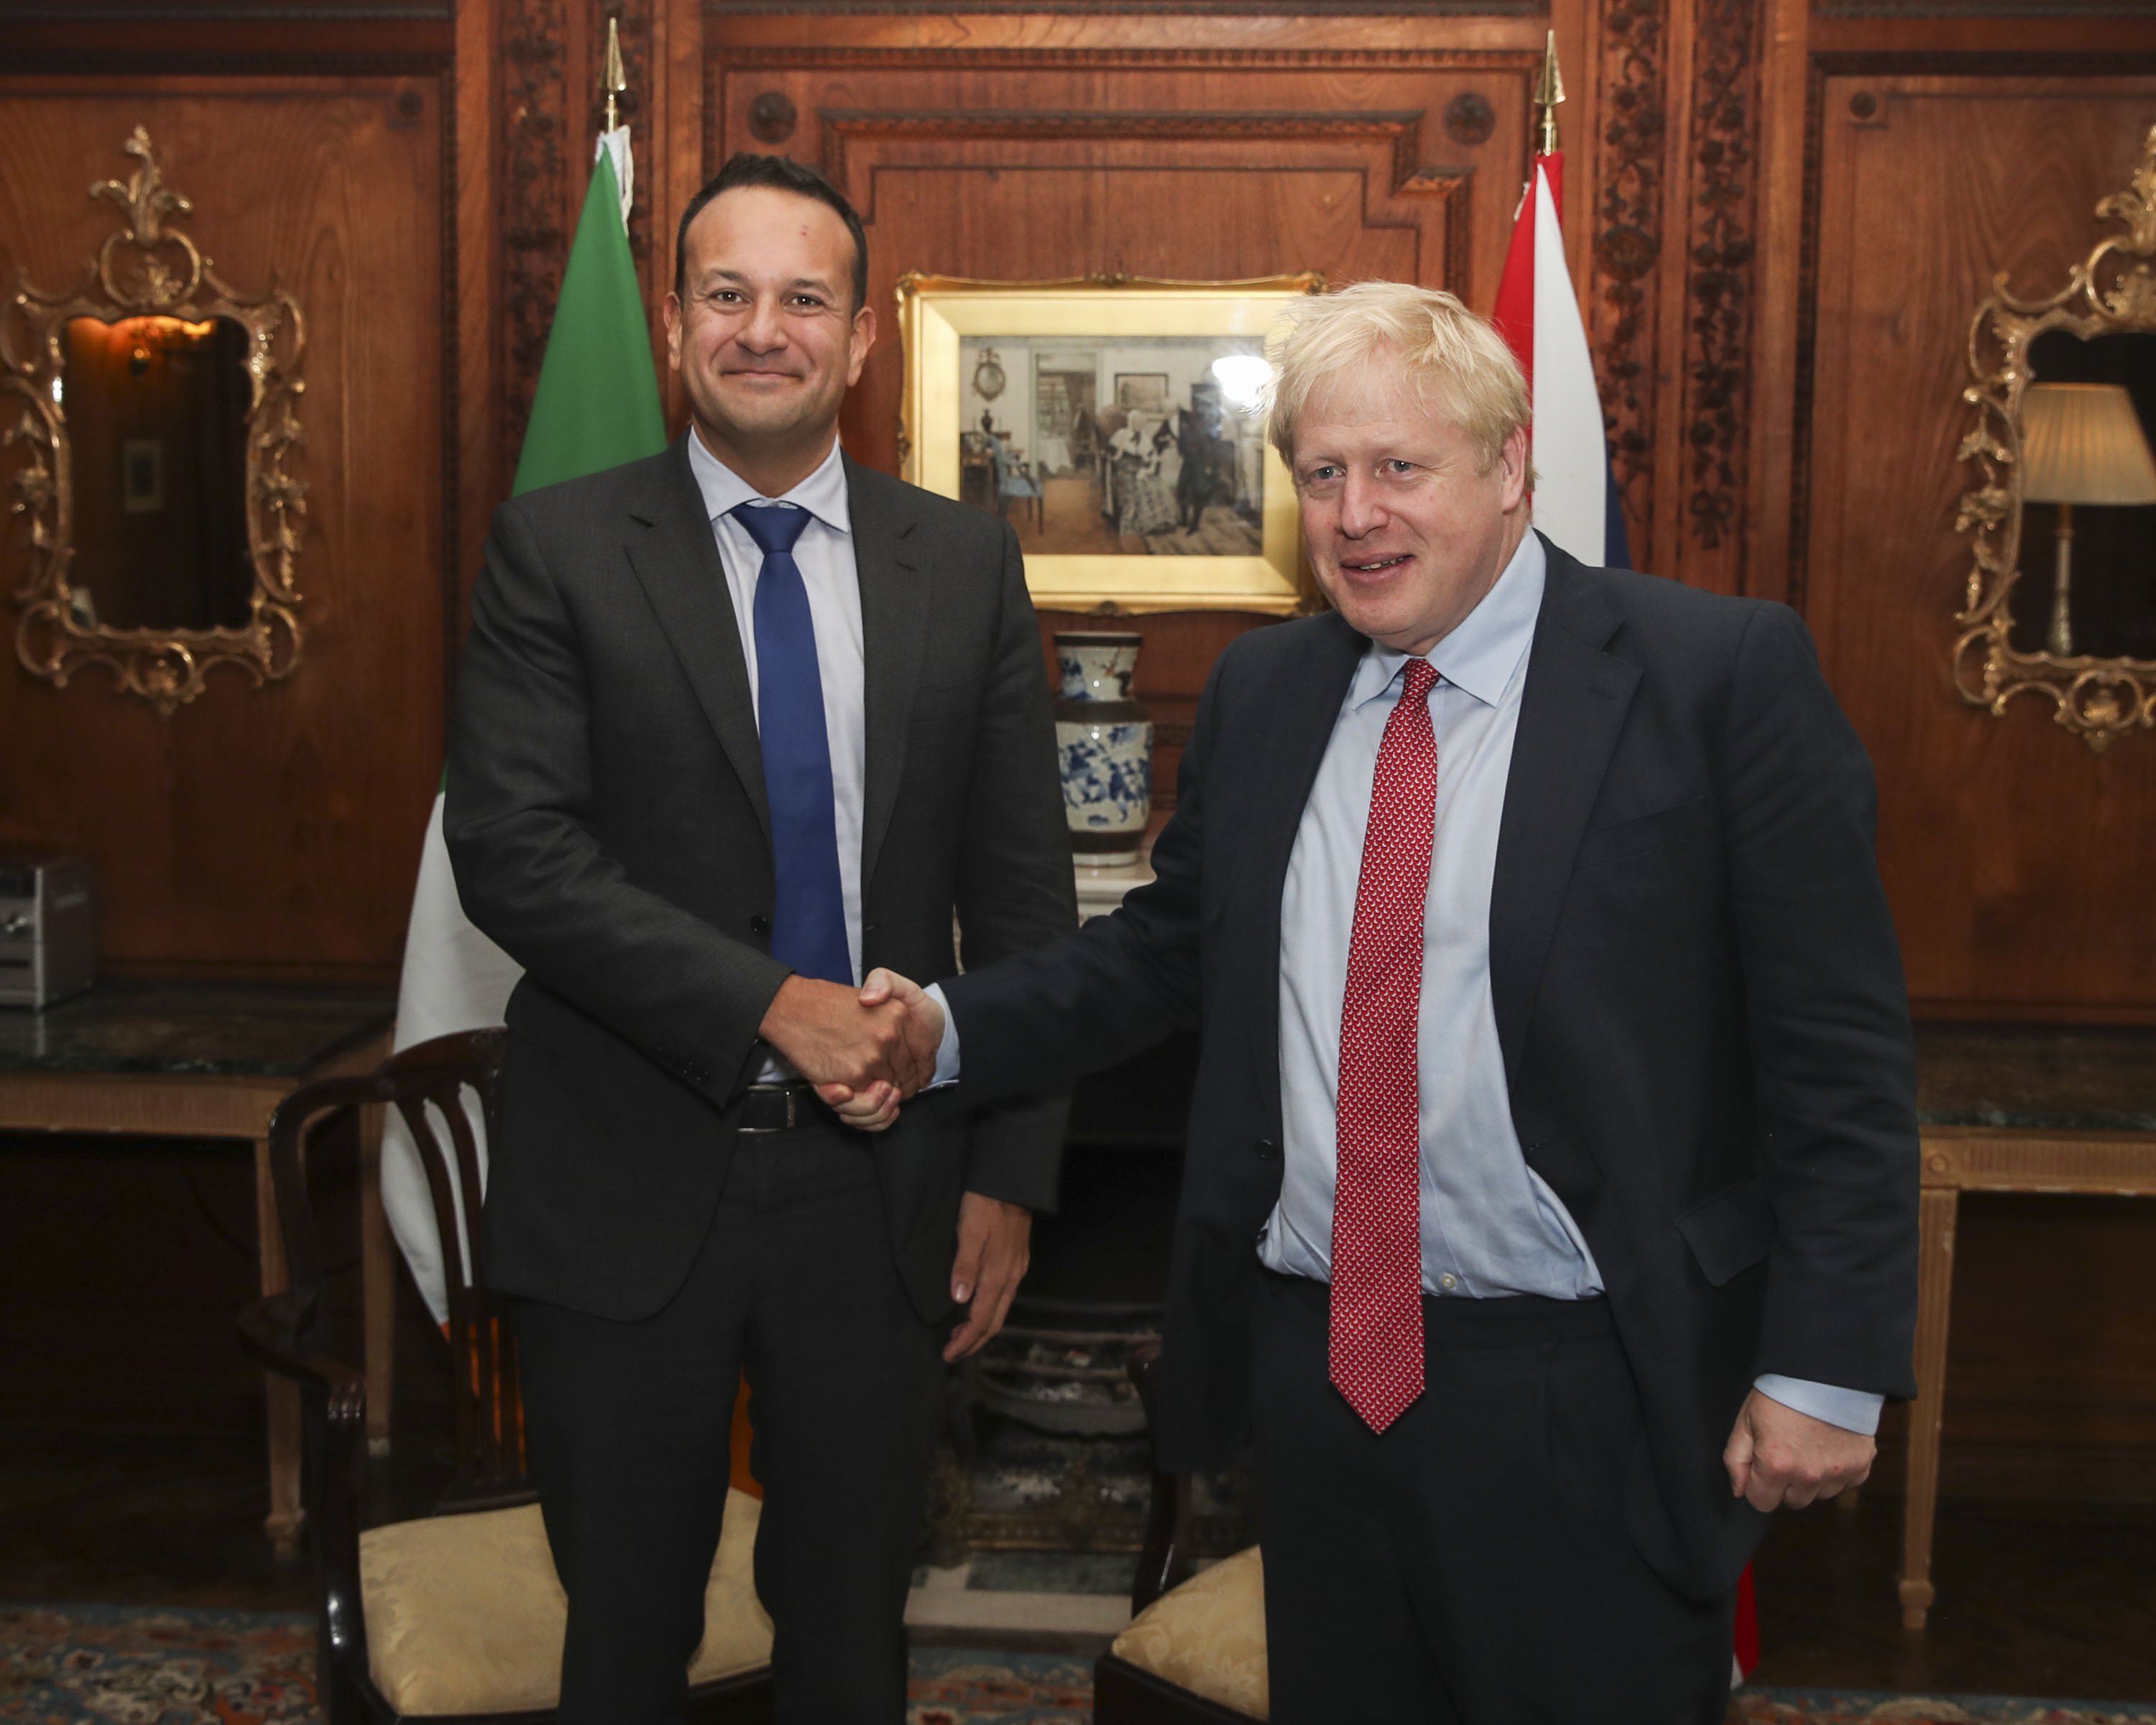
2038,1077
180,1028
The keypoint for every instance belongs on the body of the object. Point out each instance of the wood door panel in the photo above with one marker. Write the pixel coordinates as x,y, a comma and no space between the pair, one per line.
276,829
1197,167
2015,859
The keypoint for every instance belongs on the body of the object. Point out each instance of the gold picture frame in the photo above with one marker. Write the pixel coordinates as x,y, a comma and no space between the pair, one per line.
2113,291
148,276
1248,518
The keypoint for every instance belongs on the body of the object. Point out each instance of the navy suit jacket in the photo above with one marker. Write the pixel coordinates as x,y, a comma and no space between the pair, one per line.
1697,989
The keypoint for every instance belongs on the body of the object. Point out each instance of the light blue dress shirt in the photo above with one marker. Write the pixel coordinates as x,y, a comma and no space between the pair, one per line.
1491,1226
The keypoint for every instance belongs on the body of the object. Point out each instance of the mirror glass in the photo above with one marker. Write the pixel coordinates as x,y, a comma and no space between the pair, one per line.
156,417
2075,440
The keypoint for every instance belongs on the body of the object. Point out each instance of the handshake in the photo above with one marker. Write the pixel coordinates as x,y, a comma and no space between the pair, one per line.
866,1050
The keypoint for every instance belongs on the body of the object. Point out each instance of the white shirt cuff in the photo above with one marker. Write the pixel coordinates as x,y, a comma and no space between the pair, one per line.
1852,1410
947,1050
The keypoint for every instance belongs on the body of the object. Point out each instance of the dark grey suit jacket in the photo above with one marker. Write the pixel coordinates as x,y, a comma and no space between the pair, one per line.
606,820
1697,992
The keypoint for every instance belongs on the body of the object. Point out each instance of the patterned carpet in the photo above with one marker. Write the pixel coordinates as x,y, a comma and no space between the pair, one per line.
1820,1707
109,1665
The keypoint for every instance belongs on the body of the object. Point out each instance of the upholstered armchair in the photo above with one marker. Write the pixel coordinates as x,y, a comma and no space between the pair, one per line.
456,1618
1195,1652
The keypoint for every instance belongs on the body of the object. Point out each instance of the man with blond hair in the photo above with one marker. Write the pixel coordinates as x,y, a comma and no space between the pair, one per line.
1549,1212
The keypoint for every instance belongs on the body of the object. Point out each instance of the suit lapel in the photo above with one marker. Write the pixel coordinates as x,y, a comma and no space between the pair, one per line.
1300,717
676,559
895,610
1570,713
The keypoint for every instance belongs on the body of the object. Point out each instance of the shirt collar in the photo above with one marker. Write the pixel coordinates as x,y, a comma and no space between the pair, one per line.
1479,655
823,494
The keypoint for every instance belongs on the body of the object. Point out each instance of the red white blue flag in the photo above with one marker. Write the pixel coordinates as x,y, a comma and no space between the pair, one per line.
1576,502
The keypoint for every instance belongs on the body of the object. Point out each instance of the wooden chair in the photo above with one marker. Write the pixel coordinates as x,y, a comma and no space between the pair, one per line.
454,1619
1194,1653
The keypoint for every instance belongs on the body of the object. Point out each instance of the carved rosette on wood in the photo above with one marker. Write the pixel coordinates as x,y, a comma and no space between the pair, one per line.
1719,286
149,269
1628,245
2113,291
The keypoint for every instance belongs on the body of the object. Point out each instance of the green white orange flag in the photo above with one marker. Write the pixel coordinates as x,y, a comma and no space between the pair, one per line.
596,407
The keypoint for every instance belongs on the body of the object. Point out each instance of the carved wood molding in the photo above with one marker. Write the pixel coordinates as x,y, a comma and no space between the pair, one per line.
547,137
1627,244
2015,9
1402,130
1398,132
1720,282
721,61
534,103
1237,8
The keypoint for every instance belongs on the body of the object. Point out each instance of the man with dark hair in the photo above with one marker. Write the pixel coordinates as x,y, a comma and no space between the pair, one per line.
711,761
778,173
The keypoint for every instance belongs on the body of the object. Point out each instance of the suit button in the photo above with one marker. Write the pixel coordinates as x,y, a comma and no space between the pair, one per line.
759,925
1267,1150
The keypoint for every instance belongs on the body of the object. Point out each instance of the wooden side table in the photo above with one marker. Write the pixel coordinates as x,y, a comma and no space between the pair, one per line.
2008,1109
212,1060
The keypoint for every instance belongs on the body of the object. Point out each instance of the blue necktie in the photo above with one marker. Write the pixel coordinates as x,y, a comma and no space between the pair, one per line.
809,918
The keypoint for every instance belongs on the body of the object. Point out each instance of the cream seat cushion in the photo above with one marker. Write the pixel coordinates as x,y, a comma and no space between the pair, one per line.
1208,1635
465,1615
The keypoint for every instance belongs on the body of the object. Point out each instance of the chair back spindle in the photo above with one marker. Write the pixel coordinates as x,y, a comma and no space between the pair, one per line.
441,1087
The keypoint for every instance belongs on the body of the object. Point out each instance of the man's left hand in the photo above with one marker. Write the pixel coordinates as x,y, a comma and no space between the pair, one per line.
1780,1459
993,1238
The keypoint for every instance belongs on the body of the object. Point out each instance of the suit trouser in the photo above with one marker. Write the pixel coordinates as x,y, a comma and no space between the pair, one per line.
1471,1567
630,1425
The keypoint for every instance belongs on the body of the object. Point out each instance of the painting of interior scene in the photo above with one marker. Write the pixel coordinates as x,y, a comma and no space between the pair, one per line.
1146,444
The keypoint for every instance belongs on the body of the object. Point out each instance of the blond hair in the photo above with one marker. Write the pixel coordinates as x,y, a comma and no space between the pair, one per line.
1456,361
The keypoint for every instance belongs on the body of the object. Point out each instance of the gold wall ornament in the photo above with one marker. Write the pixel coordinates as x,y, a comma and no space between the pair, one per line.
161,304
2111,292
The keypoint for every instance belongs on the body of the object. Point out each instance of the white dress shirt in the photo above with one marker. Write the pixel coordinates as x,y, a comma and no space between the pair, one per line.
825,554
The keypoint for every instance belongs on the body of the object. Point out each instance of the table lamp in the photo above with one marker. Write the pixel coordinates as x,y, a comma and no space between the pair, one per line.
2081,443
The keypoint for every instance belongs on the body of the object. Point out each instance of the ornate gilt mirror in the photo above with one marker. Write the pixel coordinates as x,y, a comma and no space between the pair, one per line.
2062,599
153,409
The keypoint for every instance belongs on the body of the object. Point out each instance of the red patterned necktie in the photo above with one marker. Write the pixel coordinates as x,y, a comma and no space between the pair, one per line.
1376,1341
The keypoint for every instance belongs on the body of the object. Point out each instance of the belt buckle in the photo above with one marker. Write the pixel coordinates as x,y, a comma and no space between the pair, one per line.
793,1099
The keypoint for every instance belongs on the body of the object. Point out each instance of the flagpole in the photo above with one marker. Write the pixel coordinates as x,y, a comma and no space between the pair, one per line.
612,80
1549,91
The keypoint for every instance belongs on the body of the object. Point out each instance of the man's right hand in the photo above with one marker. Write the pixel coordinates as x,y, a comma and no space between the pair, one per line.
834,1036
874,1107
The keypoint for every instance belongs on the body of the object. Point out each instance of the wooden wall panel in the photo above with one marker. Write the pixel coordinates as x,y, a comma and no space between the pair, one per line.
270,831
2016,859
1010,163
1204,166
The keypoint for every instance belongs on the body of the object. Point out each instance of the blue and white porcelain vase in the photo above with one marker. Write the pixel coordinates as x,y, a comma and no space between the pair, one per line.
1105,740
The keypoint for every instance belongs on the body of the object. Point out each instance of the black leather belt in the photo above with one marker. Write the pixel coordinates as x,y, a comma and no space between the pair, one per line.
777,1107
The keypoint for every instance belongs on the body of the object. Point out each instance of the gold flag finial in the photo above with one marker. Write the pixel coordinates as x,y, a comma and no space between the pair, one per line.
1549,91
613,80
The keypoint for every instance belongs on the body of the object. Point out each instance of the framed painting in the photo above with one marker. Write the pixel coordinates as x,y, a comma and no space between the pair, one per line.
1118,425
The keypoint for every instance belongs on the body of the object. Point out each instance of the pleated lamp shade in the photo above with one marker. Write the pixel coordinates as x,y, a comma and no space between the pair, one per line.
2082,443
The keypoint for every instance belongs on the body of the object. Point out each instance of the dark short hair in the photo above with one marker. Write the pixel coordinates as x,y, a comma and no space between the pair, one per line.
783,173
